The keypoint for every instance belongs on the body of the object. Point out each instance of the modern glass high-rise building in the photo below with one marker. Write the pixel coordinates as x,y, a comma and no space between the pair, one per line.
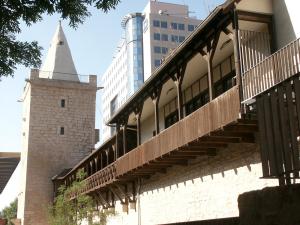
149,37
133,25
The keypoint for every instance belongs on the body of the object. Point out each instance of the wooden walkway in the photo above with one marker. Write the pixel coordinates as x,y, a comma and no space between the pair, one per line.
202,133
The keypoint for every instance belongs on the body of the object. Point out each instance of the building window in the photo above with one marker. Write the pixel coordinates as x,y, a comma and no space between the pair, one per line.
156,23
181,38
157,62
180,26
171,119
174,26
164,37
156,36
224,84
113,105
191,27
62,103
157,49
62,131
174,38
196,102
163,24
164,50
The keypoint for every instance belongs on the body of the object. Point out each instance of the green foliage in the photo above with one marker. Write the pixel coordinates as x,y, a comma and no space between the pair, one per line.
12,51
103,214
10,212
72,212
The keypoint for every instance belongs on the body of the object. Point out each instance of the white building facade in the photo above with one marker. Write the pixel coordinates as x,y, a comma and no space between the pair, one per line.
149,38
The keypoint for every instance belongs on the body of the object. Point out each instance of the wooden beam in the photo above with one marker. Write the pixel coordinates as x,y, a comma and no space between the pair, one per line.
237,57
117,195
205,145
211,47
179,157
224,133
173,161
242,128
125,122
117,140
220,139
155,96
254,17
138,113
178,79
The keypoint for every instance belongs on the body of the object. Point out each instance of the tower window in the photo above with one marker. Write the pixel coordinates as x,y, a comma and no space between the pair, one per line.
63,103
62,131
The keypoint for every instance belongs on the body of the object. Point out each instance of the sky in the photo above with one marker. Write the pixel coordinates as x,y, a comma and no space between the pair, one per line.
92,46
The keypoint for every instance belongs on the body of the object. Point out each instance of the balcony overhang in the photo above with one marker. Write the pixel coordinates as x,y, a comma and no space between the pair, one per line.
8,164
219,18
201,134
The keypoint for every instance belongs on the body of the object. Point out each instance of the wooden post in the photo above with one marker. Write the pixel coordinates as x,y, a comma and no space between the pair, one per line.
138,113
155,96
236,48
208,56
107,156
101,161
178,78
210,78
125,122
117,139
114,150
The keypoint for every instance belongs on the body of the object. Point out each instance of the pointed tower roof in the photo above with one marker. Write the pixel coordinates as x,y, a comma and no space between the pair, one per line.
59,63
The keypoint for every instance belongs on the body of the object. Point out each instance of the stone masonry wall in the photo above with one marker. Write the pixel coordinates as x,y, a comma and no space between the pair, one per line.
206,189
49,152
271,206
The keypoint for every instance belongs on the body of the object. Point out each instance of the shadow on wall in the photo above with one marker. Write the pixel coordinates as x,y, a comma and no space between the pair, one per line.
271,206
226,161
284,29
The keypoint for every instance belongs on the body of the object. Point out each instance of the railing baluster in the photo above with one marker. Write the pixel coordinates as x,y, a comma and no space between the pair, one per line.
272,70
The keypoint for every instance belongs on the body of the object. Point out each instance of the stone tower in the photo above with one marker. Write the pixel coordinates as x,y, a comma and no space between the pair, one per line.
57,130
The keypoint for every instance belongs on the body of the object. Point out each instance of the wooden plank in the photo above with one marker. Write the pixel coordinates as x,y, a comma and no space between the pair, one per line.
204,145
221,139
242,128
284,130
269,136
297,98
262,134
292,123
277,136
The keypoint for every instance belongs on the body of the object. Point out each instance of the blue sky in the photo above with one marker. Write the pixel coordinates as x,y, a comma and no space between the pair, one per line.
92,46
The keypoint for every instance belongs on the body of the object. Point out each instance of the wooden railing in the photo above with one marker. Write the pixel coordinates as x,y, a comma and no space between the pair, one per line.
212,116
272,70
100,178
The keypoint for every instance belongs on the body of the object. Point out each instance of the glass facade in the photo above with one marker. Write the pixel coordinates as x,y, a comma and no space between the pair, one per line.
134,44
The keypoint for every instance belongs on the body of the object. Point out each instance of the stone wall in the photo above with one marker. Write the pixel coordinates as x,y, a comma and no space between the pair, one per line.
46,151
208,188
271,206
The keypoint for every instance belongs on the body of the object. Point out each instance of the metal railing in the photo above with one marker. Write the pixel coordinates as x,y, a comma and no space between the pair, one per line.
63,76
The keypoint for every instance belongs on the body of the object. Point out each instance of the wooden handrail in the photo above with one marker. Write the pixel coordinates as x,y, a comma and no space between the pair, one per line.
222,111
274,69
212,116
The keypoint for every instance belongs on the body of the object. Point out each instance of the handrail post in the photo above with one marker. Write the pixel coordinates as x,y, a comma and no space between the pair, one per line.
236,46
